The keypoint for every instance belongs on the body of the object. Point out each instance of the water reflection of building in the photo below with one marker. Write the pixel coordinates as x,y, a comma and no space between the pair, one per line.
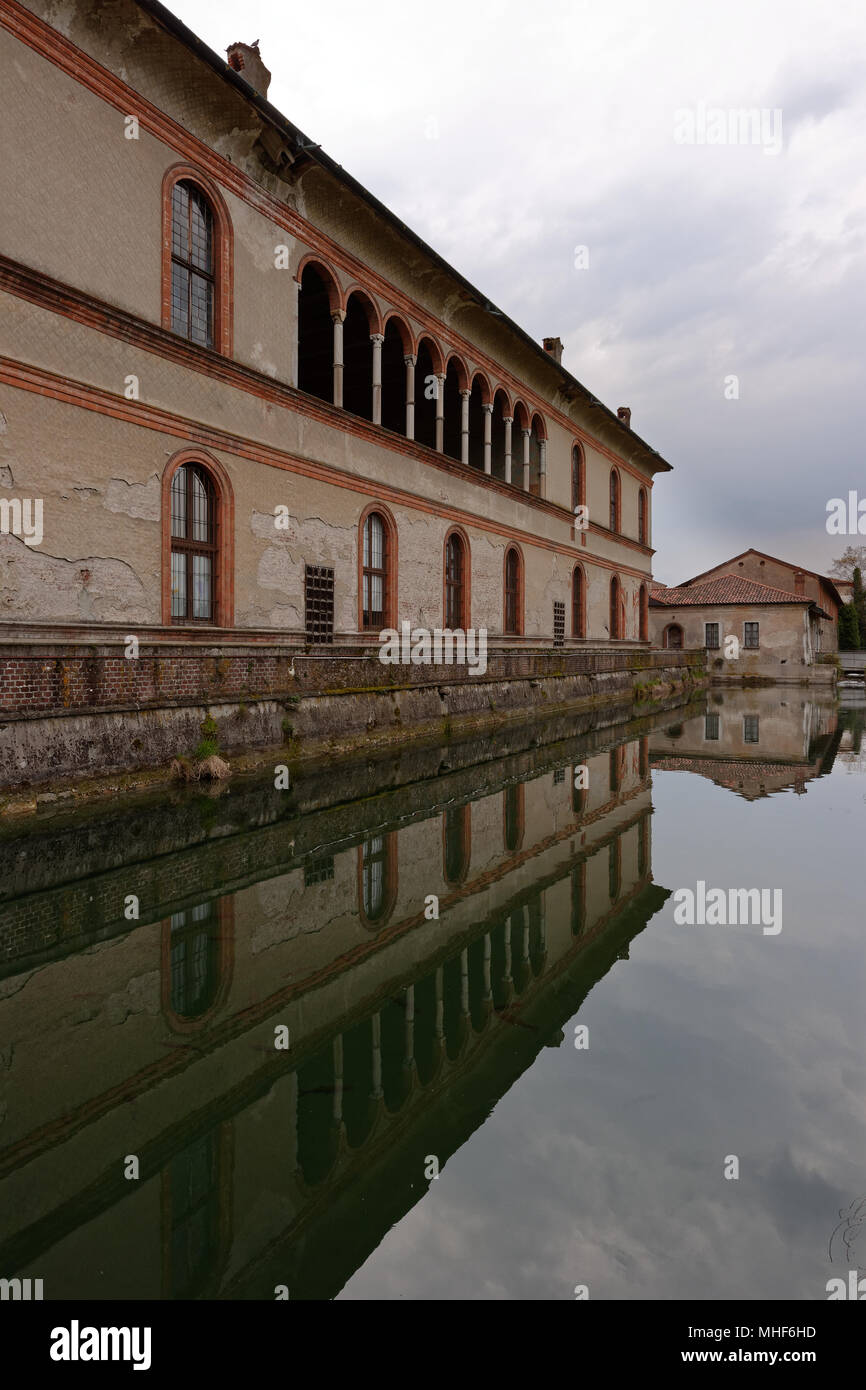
261,1166
751,741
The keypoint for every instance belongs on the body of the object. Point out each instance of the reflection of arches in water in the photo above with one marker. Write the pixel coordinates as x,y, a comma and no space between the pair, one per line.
521,970
196,1216
513,817
643,848
196,962
614,868
456,841
578,898
318,1133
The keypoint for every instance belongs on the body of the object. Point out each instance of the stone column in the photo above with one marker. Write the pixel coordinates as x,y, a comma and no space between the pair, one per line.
488,436
410,361
464,427
410,1026
377,1057
464,982
525,434
377,339
509,421
337,319
486,969
542,468
439,1025
440,411
337,1047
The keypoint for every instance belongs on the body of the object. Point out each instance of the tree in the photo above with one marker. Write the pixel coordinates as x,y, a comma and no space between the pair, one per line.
849,630
853,557
858,601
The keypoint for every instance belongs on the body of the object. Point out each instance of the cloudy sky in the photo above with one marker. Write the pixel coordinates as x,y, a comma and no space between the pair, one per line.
507,135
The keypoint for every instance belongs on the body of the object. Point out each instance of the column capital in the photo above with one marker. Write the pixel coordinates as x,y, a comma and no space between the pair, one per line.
338,316
488,406
466,393
377,337
526,433
508,419
410,359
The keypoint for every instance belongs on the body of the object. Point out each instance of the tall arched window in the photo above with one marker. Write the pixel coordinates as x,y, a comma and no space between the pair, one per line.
376,572
456,842
642,516
578,481
194,508
578,604
192,264
377,877
644,614
615,624
456,589
513,593
614,501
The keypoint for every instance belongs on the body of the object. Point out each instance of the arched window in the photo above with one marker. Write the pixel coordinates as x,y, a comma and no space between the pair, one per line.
578,604
192,264
196,967
456,588
614,501
673,637
644,614
194,513
457,837
513,816
642,516
377,877
614,625
316,300
513,593
376,572
578,481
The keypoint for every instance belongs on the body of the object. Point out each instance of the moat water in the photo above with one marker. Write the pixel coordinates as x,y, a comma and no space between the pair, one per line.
433,1027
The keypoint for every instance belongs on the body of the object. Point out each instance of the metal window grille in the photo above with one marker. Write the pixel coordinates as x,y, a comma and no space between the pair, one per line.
319,603
558,624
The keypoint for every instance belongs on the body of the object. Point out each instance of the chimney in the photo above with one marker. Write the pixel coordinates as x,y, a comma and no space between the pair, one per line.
246,59
623,412
554,347
800,583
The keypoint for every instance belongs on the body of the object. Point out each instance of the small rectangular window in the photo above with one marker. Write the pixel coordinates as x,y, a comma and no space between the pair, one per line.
319,871
711,726
558,624
711,634
750,728
319,603
750,636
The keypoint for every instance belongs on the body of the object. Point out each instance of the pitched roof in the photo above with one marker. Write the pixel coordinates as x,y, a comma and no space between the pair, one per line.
824,578
727,588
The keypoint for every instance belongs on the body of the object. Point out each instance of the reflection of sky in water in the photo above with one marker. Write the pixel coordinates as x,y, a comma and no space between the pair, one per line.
605,1166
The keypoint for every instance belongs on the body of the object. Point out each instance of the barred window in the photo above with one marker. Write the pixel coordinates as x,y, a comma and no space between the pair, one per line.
192,264
193,545
751,726
375,572
319,603
558,623
711,633
711,727
751,633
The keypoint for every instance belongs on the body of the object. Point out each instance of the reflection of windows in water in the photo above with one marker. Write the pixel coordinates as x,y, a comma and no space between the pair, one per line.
374,877
537,947
513,816
456,833
193,1182
578,898
614,869
643,757
616,761
195,960
711,726
319,871
750,728
643,848
558,776
578,794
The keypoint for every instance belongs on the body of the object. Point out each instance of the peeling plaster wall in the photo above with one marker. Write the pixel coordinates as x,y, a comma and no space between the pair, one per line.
785,652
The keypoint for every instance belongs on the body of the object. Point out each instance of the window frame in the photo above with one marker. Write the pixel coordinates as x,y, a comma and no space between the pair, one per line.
751,646
515,590
615,503
462,587
578,604
223,259
389,569
224,532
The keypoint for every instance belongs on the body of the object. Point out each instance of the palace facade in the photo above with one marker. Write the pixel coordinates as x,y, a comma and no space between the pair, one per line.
251,403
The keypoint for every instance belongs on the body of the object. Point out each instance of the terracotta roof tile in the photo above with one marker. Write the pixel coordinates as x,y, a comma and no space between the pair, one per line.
728,588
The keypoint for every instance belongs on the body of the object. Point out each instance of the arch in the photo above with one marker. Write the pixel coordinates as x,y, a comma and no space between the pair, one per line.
394,353
615,613
521,416
672,637
513,816
456,842
501,408
512,599
175,255
538,426
643,517
477,398
369,305
457,580
615,513
196,964
318,302
427,366
578,603
643,613
578,476
483,386
455,360
436,355
219,547
394,319
455,376
327,275
358,357
377,878
377,570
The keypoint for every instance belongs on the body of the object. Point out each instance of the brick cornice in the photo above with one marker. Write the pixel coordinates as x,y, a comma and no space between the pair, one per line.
50,44
24,376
